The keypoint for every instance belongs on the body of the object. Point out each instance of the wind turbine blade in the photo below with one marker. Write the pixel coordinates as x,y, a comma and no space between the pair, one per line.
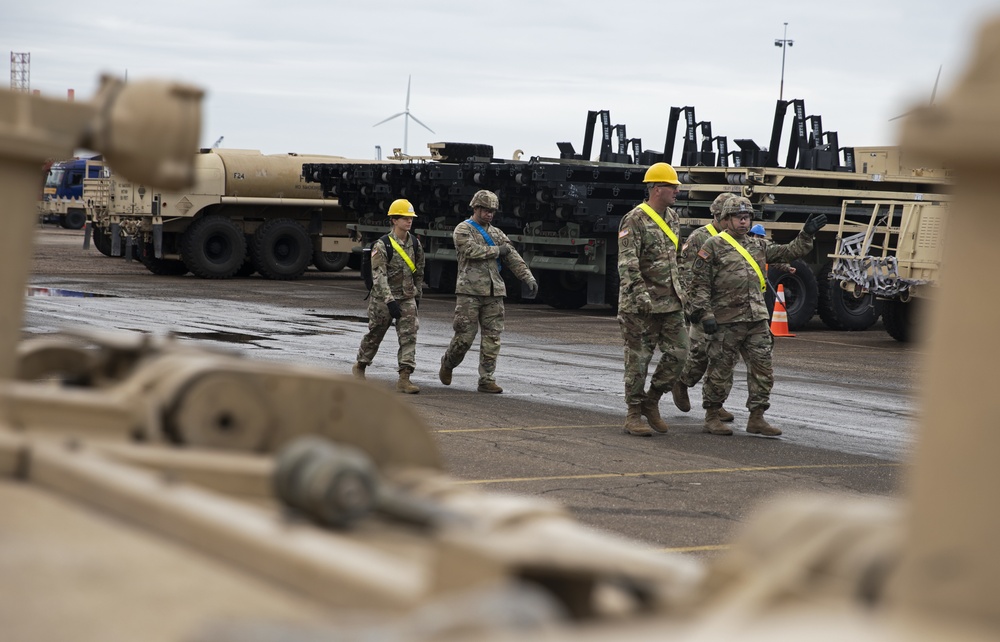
408,80
421,124
402,113
934,91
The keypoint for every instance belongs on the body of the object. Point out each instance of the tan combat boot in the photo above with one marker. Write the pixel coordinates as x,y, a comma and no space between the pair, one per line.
650,408
490,387
358,370
759,426
634,425
404,385
680,394
725,415
713,425
444,374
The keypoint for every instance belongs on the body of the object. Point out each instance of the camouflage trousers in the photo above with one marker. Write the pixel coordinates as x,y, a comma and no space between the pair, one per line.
644,333
379,321
755,342
471,313
697,359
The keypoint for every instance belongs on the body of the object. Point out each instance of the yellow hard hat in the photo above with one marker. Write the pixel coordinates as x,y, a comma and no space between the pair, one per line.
661,173
401,207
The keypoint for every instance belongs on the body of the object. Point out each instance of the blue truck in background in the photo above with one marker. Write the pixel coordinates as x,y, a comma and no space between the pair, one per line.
63,199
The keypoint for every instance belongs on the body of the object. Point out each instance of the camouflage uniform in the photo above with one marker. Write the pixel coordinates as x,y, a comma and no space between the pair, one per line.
697,359
479,296
647,265
725,287
393,280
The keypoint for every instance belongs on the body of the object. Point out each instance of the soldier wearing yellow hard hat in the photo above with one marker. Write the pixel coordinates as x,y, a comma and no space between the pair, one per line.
397,275
651,300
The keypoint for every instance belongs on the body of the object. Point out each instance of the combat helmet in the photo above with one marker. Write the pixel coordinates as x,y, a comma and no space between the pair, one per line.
716,207
737,205
485,198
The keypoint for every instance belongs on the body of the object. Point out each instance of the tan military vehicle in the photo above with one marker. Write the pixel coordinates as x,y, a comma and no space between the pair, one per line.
247,212
896,257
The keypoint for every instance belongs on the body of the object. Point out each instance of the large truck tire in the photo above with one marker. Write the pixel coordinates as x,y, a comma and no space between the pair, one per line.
162,267
801,292
74,220
213,247
898,317
563,290
330,261
840,309
102,240
281,249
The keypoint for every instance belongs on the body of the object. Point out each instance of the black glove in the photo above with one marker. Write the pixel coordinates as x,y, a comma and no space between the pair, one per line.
504,250
532,288
710,326
394,310
814,223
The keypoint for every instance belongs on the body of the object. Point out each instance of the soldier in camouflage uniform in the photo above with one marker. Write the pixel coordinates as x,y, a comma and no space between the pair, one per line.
651,300
480,290
727,298
697,359
397,285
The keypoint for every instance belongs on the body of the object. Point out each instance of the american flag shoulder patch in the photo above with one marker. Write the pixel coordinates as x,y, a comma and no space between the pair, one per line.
702,254
623,233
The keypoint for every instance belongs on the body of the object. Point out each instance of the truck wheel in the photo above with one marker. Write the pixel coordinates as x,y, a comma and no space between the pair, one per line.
840,309
213,247
163,267
898,317
74,220
801,292
330,261
281,249
102,240
563,290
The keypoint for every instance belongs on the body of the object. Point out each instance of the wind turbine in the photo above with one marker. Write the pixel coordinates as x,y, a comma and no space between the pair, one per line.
931,103
406,117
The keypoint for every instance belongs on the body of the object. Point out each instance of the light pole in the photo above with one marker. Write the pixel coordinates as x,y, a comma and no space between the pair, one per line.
783,43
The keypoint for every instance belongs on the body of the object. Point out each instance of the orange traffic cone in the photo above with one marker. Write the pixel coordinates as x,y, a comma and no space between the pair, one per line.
779,320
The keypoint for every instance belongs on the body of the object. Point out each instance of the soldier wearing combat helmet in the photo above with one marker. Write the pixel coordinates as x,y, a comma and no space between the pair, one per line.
651,300
697,359
480,290
727,298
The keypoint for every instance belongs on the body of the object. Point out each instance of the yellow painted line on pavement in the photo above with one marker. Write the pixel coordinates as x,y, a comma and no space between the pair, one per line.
664,473
695,549
498,429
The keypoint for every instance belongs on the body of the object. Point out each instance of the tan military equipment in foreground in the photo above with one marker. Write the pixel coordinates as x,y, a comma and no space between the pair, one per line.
156,435
246,212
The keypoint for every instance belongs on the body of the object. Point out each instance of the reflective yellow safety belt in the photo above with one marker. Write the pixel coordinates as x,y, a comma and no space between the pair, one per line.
402,253
711,230
659,221
742,250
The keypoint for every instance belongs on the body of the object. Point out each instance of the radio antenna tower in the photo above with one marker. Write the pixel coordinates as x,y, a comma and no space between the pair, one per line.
20,72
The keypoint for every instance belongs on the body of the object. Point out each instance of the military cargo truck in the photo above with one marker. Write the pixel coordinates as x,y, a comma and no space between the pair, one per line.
563,213
247,212
896,258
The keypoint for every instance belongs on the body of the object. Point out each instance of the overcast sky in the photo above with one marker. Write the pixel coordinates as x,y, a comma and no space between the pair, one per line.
314,77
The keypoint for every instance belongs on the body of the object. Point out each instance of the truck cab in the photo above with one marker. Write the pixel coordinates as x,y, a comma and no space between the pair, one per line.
62,197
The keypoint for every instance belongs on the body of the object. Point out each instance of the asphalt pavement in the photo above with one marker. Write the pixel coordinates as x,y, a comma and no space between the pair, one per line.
845,400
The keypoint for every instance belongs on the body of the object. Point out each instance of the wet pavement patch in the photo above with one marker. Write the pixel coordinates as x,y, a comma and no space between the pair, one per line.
340,317
34,290
225,337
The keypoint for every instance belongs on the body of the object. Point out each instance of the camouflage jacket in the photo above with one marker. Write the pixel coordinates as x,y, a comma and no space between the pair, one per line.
478,273
690,250
392,278
647,262
725,286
